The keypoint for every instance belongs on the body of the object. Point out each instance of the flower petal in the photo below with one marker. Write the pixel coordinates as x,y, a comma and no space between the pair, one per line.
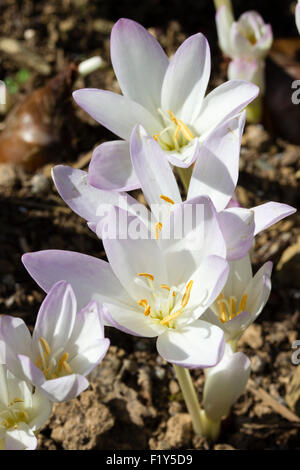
216,170
15,338
139,63
56,317
270,213
21,438
134,321
111,168
258,290
198,345
224,102
64,388
224,21
87,345
237,226
153,170
115,112
190,234
88,202
186,79
91,278
130,252
224,384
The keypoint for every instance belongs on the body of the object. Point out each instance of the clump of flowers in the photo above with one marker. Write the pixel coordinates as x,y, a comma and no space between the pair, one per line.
179,271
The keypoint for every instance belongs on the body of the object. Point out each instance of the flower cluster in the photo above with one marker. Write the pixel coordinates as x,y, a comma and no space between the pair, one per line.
179,271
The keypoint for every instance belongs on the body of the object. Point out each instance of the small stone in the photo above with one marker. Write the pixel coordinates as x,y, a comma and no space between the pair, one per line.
253,337
179,430
8,176
40,184
173,387
257,364
159,373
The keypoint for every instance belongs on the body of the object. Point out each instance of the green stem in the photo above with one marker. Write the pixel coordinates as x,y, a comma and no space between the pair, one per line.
210,429
190,397
254,110
185,176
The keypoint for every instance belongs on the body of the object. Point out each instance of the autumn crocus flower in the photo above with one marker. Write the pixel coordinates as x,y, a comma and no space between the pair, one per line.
64,348
23,412
224,383
249,37
241,300
215,175
165,97
149,288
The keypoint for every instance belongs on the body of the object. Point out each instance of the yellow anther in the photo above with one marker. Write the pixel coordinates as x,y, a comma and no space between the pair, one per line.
17,400
62,361
167,199
67,367
147,275
147,310
143,302
233,306
156,137
164,286
46,346
185,130
169,318
186,296
243,302
222,308
158,227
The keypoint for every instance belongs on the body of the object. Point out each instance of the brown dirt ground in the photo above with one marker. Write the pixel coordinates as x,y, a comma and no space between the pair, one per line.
134,401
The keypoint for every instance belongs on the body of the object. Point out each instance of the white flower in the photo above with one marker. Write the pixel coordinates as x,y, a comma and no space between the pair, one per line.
165,97
22,412
241,300
64,348
225,383
248,38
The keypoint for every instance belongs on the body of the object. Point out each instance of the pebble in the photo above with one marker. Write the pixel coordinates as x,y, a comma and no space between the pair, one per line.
40,184
159,372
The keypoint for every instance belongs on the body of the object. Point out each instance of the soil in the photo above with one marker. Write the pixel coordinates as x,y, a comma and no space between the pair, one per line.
134,401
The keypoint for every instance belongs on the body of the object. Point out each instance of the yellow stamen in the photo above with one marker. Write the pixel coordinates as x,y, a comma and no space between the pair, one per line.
164,286
222,308
17,400
243,302
166,199
143,302
62,361
147,275
185,130
186,296
45,345
67,367
158,227
147,310
233,306
169,318
156,137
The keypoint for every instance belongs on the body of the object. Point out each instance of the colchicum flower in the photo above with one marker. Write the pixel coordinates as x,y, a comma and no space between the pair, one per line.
241,300
215,175
22,412
165,97
64,348
247,42
151,287
224,384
